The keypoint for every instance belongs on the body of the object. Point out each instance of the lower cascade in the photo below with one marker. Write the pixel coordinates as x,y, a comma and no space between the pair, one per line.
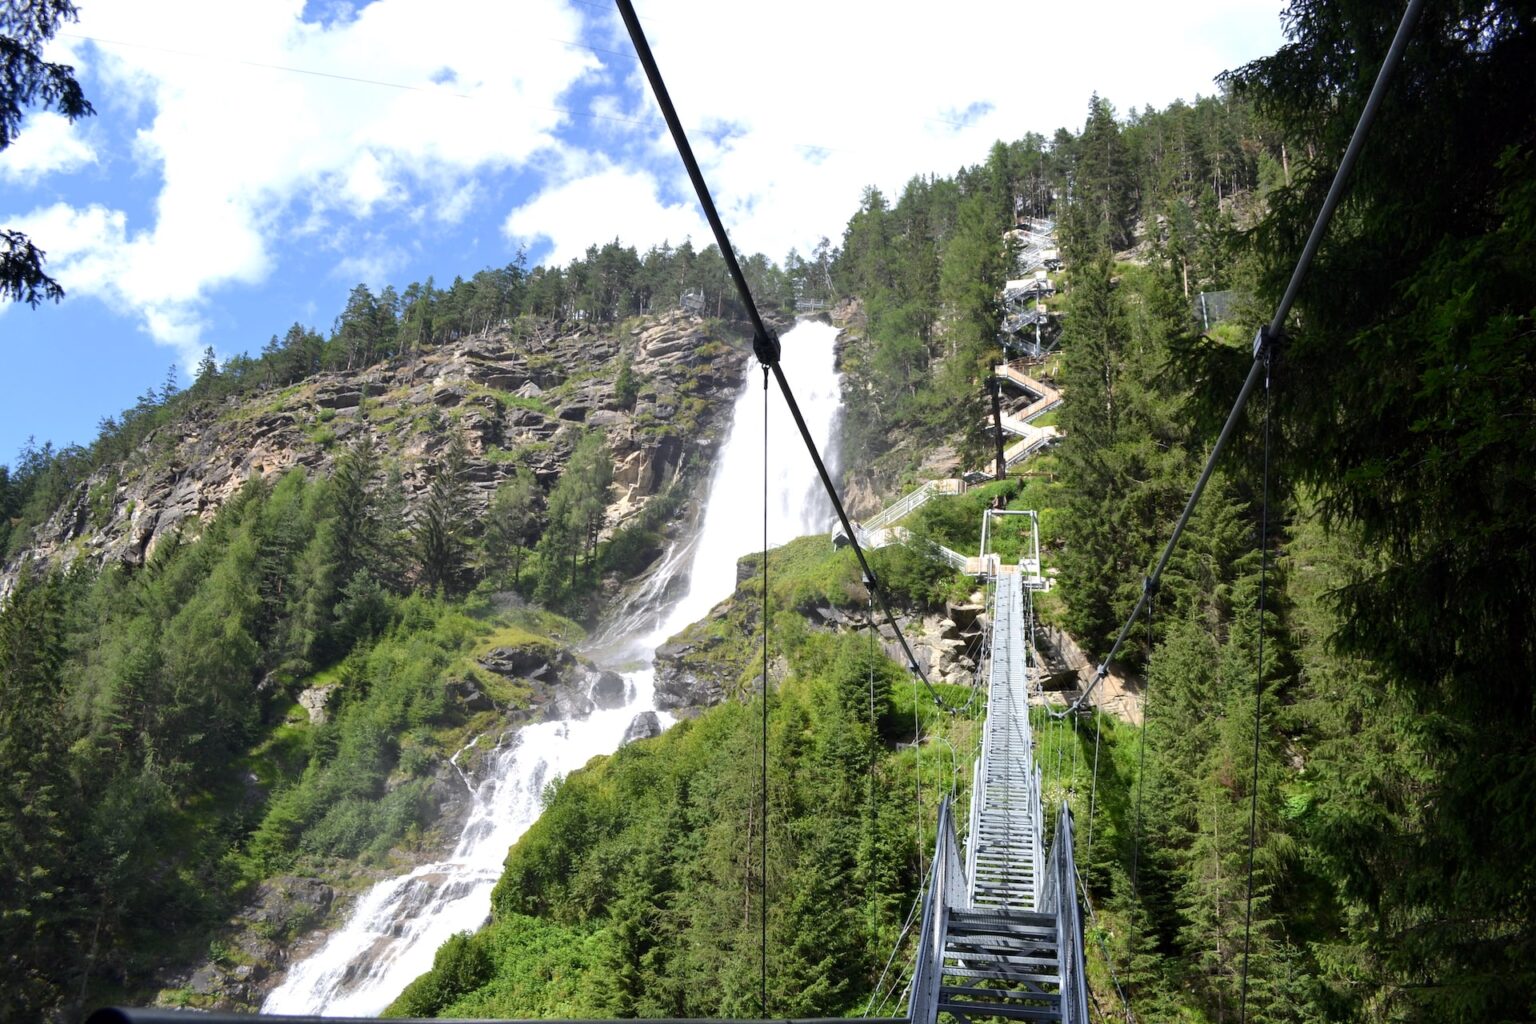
397,926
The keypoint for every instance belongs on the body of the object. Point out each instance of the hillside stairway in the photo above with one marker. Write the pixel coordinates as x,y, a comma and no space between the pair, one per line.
1001,936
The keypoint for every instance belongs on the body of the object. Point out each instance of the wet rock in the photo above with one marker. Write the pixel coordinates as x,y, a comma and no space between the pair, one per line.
566,705
609,690
645,726
536,663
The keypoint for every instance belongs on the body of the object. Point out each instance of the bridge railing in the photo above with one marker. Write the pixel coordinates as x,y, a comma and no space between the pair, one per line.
1059,897
902,507
946,889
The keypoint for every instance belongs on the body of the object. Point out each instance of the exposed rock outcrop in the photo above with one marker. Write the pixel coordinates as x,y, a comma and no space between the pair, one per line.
250,963
645,726
517,400
686,676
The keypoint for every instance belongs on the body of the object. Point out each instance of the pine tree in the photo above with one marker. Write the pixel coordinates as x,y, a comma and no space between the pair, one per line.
509,524
1409,372
25,29
35,809
442,524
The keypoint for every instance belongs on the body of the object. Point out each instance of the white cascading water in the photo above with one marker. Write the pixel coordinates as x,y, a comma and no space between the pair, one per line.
396,927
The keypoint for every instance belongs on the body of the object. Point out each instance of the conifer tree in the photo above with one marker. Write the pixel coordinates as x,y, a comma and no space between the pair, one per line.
509,524
442,524
35,812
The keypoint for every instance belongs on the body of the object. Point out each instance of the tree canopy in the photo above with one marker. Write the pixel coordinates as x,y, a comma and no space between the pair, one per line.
28,81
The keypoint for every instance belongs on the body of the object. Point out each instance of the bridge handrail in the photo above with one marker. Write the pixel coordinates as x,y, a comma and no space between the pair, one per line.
879,537
946,889
1059,897
902,507
1025,448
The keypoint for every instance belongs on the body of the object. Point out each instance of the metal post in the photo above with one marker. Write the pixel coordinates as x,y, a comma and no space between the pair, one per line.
997,422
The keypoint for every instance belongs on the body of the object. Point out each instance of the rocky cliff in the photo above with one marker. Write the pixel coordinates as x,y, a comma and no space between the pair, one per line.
519,398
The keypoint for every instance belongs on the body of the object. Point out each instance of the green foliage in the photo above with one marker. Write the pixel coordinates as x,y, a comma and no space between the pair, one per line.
640,862
442,524
30,81
1407,412
154,760
574,516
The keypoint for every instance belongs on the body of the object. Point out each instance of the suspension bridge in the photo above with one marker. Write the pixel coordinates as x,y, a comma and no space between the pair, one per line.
1001,932
1001,935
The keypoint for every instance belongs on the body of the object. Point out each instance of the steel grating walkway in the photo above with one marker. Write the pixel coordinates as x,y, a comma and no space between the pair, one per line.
1000,956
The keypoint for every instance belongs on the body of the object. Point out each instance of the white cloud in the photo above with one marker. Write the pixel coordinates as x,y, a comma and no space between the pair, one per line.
372,267
596,207
261,132
47,144
825,98
264,128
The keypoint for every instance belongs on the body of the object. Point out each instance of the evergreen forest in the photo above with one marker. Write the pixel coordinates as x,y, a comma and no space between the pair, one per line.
1321,811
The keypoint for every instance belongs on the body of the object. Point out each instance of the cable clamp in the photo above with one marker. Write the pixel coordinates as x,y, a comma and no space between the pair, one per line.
1149,586
765,345
1266,344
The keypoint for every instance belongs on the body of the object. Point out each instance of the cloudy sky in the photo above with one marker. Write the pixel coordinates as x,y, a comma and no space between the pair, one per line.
252,160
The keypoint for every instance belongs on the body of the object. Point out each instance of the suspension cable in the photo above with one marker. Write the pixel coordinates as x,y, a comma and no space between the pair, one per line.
1273,330
1258,703
763,793
765,344
1093,790
879,982
1141,753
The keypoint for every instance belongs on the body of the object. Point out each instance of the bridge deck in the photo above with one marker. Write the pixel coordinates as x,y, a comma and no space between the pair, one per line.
1000,952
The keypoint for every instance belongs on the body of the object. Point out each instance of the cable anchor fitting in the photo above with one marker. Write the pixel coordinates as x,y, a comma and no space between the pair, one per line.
765,346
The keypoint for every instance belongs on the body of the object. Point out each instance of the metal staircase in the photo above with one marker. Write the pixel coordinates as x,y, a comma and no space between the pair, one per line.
1002,940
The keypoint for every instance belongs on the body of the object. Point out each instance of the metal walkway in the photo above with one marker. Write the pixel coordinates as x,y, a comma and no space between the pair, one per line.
1001,937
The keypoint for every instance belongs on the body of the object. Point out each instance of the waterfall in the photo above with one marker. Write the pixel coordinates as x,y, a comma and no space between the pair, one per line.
396,927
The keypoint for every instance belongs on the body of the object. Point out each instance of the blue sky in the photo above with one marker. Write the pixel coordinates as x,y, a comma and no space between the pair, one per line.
251,162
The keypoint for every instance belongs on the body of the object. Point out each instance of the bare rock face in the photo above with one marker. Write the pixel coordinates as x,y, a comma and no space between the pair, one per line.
316,701
257,948
516,398
686,678
645,726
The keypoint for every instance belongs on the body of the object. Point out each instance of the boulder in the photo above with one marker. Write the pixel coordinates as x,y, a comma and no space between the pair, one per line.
566,704
645,726
524,662
609,690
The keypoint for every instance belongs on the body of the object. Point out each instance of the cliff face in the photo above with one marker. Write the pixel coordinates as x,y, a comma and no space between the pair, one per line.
520,398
